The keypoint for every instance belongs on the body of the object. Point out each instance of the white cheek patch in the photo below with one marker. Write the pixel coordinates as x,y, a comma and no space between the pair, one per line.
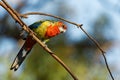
62,30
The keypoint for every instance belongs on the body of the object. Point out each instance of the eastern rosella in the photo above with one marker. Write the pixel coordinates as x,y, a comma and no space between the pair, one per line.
45,30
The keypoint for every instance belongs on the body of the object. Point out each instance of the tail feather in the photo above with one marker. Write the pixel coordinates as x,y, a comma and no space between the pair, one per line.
24,51
19,59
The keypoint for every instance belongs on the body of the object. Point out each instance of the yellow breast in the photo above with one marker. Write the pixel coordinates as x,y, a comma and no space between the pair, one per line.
41,30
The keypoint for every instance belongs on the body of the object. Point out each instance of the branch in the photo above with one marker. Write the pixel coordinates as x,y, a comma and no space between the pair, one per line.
17,18
45,14
79,26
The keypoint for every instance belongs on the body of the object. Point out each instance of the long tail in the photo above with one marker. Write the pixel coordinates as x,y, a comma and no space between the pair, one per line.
29,43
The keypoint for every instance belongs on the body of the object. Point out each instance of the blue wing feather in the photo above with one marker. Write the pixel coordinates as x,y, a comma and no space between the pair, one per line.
35,25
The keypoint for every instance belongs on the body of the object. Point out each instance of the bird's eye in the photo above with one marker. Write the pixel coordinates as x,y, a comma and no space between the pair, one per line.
63,26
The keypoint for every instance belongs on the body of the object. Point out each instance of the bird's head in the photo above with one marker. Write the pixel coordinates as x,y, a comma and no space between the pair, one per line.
61,26
55,28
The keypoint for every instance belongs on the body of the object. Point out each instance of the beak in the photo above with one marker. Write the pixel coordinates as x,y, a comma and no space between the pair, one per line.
63,31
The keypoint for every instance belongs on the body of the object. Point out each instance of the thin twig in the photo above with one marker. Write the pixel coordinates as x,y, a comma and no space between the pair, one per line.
17,18
102,51
79,26
45,14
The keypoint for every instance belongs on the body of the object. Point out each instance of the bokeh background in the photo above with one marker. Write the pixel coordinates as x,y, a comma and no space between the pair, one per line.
100,18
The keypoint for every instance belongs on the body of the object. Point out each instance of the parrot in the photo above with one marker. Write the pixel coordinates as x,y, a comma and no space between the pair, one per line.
44,30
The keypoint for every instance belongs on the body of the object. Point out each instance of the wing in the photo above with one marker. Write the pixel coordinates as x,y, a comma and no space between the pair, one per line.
38,23
35,25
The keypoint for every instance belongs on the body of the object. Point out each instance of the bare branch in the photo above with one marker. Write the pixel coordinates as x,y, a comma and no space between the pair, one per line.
17,18
45,14
14,14
79,26
102,51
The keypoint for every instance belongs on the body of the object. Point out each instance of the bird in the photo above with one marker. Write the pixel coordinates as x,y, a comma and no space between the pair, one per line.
44,30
